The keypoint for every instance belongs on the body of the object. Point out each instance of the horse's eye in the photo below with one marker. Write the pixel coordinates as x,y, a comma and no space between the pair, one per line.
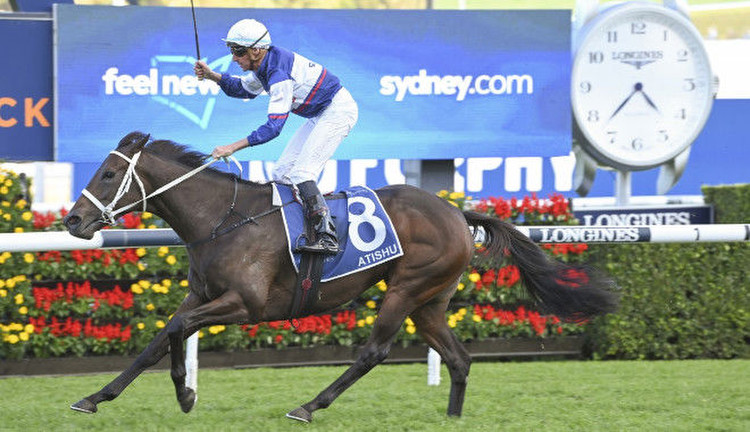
108,175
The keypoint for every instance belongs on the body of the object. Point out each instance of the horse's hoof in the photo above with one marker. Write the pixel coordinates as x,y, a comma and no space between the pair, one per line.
300,414
187,401
84,406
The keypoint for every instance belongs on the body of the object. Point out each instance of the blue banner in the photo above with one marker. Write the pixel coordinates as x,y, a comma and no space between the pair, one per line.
26,93
429,84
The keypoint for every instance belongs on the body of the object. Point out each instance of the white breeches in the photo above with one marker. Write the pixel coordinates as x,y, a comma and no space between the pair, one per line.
316,140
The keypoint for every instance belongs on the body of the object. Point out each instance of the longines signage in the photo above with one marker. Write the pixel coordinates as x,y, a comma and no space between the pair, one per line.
666,215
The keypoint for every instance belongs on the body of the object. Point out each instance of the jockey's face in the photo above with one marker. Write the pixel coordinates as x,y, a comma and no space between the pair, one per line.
250,59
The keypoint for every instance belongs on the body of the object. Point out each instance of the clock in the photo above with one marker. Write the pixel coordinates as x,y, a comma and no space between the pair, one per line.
641,87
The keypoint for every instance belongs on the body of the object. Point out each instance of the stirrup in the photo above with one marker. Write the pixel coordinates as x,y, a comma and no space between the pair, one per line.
325,245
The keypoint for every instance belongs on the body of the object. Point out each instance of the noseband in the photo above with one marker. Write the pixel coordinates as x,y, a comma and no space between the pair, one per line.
109,213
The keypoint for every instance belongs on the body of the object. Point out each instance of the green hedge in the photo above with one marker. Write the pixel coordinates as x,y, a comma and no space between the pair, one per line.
681,301
731,202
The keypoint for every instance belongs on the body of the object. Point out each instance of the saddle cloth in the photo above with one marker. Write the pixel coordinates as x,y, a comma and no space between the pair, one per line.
365,232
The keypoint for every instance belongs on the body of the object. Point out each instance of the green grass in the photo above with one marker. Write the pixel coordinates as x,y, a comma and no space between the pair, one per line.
538,396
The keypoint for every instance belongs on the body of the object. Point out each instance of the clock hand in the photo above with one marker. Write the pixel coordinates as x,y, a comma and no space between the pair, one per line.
649,101
636,89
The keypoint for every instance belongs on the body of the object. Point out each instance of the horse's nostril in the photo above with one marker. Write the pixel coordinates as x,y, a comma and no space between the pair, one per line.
71,221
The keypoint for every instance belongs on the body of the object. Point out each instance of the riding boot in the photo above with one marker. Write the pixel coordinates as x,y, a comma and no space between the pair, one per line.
318,217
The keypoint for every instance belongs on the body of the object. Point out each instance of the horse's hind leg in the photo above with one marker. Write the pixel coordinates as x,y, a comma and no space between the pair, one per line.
227,309
149,357
431,325
392,314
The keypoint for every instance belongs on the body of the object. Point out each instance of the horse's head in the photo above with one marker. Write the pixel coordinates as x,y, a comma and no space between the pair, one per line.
111,188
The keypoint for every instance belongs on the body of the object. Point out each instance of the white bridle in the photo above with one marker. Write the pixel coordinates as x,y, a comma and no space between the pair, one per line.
109,213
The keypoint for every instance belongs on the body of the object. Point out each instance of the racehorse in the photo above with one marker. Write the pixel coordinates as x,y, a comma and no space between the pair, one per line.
248,277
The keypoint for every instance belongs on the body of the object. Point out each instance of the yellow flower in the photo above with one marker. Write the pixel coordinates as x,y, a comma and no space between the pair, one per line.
451,323
3,190
29,258
140,326
443,193
10,283
28,328
156,288
12,339
23,310
146,215
141,226
16,327
171,260
216,329
136,289
166,282
461,286
456,195
5,204
453,203
462,311
474,277
152,226
162,251
200,334
140,252
17,230
144,284
411,329
184,283
150,307
6,216
370,304
9,182
476,318
18,298
20,278
160,324
23,336
409,322
27,216
20,203
370,319
3,293
360,323
381,285
141,267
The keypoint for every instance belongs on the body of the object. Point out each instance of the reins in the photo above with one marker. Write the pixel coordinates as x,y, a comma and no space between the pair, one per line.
109,213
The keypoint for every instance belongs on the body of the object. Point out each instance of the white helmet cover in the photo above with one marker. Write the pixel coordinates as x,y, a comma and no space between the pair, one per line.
249,33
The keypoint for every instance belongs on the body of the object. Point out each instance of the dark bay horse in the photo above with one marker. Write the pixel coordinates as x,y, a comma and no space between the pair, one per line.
247,277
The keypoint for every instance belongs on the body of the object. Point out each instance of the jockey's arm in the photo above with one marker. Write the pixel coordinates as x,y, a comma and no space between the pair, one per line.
279,106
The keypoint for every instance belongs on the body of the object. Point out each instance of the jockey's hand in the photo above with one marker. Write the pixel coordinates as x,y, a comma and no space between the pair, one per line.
202,70
223,151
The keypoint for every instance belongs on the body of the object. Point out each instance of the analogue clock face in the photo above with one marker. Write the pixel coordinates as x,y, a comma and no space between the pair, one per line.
642,86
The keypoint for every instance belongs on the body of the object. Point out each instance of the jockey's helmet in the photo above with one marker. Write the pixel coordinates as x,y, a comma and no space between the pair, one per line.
248,33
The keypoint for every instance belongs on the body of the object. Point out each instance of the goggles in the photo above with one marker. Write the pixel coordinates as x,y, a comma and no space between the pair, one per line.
240,50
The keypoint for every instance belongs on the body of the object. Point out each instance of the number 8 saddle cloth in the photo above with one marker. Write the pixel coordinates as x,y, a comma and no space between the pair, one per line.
365,232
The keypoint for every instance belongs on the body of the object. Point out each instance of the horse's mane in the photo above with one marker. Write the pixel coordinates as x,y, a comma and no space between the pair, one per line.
182,154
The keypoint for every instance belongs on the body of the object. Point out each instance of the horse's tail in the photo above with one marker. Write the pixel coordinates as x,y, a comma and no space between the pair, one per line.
573,292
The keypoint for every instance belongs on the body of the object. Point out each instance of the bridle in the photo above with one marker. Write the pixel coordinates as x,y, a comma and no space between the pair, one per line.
110,214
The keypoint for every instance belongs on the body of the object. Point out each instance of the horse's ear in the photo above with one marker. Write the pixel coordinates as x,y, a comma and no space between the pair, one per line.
137,139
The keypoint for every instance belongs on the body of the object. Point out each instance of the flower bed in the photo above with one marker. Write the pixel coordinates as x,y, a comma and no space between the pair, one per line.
114,301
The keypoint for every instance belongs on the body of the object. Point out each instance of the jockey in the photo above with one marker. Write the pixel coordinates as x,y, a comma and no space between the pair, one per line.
294,84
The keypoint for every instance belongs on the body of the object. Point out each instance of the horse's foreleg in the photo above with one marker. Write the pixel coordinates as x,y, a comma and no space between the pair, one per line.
431,325
149,357
227,309
392,315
